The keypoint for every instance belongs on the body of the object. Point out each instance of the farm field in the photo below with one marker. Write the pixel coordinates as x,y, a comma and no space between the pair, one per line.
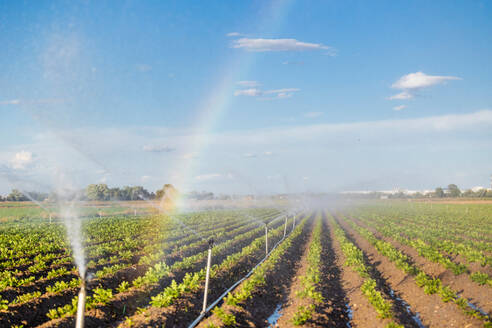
372,264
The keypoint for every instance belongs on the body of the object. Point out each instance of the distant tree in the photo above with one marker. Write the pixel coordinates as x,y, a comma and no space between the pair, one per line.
454,191
469,193
16,196
159,194
98,192
439,193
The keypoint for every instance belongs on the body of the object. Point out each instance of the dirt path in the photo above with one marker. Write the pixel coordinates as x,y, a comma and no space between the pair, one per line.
433,312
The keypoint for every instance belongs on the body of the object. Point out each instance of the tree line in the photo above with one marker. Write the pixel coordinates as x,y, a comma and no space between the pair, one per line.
93,192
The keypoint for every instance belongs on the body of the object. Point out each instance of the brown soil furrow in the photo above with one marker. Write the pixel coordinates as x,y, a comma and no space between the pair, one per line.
289,308
433,311
478,295
263,303
363,313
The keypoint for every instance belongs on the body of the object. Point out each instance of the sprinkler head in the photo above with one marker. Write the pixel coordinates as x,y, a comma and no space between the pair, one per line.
211,242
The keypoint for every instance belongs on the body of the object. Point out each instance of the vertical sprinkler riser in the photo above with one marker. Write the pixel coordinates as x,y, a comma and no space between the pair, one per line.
266,240
285,227
79,323
207,276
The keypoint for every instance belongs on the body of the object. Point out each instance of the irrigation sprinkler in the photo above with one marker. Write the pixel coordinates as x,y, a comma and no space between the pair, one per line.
285,226
50,218
266,240
79,323
294,223
207,276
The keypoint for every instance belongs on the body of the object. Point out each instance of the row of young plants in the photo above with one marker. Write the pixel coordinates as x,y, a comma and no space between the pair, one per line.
237,298
429,284
193,282
117,262
161,270
354,258
310,281
473,234
428,251
123,286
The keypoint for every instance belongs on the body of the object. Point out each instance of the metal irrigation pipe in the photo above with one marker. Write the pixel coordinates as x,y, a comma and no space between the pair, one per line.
79,323
207,276
224,294
266,240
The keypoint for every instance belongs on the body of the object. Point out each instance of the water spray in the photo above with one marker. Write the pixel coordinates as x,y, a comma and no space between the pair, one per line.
207,276
294,223
79,323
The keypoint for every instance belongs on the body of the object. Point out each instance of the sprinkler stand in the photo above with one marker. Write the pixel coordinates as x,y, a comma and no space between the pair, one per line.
266,240
79,323
207,276
285,226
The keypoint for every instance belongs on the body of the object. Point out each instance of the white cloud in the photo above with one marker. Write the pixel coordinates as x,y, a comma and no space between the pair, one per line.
313,114
233,34
286,90
158,149
21,160
10,102
267,153
210,176
268,94
250,84
420,80
252,92
145,178
262,45
415,81
401,96
400,107
287,62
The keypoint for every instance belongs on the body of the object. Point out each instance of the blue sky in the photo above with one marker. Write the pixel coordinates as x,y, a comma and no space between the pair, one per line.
246,96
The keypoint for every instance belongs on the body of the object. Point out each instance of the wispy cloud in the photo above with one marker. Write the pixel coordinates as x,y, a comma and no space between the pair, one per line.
401,96
248,83
398,108
267,94
231,34
420,80
10,102
263,45
298,63
249,155
21,160
313,114
46,101
158,149
416,81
